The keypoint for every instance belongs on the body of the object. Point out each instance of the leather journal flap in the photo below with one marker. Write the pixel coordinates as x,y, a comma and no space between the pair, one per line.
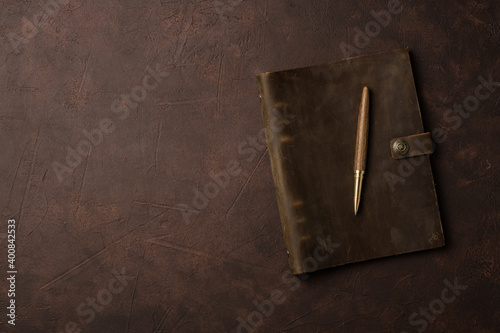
412,145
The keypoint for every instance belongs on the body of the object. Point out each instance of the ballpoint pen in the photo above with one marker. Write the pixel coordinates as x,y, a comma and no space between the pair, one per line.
361,147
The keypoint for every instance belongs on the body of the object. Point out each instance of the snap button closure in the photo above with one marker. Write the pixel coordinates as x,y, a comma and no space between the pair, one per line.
401,147
411,146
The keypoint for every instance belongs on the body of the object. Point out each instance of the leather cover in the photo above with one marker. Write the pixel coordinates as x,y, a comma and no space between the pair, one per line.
310,115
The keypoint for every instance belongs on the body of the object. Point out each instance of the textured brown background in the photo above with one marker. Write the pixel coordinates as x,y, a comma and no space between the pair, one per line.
118,208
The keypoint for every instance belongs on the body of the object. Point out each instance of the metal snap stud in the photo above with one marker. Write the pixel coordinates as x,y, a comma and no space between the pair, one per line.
401,147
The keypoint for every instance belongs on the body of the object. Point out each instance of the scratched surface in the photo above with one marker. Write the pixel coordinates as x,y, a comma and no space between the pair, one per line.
123,241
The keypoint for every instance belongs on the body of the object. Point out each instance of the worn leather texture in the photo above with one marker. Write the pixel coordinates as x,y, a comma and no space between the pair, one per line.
312,156
121,207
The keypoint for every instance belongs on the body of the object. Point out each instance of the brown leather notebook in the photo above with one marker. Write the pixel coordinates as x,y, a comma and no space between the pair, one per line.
310,115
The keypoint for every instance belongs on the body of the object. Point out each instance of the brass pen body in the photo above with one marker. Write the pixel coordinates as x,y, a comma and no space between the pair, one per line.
361,147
